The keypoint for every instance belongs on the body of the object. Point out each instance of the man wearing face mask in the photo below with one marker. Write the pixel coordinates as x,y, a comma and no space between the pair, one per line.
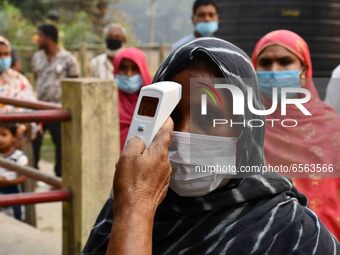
101,66
205,21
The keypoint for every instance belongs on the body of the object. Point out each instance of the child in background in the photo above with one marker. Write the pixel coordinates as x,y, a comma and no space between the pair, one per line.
10,182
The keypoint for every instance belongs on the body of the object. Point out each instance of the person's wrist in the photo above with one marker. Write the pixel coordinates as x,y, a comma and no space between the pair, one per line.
135,210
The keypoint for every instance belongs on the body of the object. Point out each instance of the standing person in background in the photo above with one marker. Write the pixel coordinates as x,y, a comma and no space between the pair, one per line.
101,66
132,73
205,20
281,59
51,64
12,83
333,90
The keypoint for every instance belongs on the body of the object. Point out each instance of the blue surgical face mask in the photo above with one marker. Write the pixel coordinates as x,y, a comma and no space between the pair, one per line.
278,79
129,84
5,64
206,28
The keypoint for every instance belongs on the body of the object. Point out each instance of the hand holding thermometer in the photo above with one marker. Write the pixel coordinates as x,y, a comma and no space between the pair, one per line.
155,104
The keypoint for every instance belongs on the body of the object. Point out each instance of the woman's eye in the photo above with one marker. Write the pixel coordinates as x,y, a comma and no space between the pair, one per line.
285,61
265,62
122,68
205,122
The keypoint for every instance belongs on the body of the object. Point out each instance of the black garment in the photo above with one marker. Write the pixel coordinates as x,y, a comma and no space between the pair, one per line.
16,209
259,214
54,129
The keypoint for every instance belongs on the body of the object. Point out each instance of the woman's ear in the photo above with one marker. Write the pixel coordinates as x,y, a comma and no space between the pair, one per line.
303,72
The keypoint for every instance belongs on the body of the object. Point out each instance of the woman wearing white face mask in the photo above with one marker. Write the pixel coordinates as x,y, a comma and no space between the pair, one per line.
205,214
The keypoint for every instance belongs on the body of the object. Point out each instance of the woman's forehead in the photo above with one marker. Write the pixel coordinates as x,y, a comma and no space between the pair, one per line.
128,62
276,51
4,48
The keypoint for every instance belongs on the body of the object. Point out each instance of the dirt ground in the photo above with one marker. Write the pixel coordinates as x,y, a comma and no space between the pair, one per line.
49,215
19,238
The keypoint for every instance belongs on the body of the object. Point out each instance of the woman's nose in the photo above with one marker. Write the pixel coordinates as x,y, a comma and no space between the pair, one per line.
129,73
276,67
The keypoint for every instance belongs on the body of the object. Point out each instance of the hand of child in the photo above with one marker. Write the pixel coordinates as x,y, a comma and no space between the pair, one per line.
3,182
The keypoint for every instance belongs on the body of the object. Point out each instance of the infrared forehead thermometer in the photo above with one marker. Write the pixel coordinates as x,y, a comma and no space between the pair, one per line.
155,104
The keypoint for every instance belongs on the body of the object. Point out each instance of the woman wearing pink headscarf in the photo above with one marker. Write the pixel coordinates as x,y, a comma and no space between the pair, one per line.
131,73
316,138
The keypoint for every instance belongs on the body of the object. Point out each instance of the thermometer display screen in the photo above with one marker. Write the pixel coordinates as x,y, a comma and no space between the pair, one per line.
148,106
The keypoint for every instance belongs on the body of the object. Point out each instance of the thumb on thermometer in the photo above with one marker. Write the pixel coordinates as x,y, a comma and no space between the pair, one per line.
134,146
164,136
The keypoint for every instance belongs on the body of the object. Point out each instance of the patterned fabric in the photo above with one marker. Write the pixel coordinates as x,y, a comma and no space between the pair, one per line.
316,139
102,67
18,157
333,90
15,85
49,74
261,214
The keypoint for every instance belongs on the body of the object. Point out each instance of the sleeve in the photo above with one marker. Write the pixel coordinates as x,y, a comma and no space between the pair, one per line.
333,90
72,67
92,67
22,160
27,92
33,62
98,240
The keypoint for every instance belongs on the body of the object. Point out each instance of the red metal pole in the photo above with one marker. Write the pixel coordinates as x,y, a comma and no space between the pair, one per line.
34,105
36,116
35,198
31,172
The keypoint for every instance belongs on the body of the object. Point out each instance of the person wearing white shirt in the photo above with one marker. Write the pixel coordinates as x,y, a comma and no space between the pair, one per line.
333,90
101,66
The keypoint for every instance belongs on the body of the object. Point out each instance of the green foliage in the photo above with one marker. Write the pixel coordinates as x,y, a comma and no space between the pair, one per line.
33,10
14,26
80,20
77,30
74,29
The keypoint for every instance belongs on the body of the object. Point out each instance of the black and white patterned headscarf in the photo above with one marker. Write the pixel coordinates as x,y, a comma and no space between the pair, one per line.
261,214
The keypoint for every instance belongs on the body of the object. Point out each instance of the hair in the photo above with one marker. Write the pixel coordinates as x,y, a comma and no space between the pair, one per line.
53,16
12,127
110,26
199,3
49,31
202,61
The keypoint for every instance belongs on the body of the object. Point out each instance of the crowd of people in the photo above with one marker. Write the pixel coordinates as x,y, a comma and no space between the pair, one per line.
180,211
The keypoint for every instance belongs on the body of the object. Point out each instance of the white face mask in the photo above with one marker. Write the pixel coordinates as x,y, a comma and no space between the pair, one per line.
200,163
111,53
